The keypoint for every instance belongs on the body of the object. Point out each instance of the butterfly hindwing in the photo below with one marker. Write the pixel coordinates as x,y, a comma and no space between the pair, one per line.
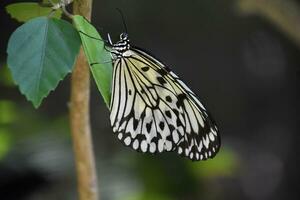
152,110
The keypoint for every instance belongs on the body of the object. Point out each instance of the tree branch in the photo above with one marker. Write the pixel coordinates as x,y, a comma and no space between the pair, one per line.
79,116
285,14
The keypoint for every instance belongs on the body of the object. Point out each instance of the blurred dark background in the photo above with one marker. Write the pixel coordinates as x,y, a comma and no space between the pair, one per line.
242,64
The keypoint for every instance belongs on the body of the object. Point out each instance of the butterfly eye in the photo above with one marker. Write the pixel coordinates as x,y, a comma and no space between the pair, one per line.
124,36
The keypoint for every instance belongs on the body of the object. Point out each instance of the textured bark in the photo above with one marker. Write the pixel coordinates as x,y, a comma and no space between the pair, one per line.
80,121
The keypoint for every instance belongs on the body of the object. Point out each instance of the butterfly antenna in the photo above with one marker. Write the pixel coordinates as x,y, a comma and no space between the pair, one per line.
109,39
123,19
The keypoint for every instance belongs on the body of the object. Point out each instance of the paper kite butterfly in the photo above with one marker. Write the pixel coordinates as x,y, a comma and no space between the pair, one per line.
153,111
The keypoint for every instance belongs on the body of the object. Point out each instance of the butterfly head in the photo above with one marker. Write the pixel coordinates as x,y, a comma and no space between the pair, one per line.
124,37
122,45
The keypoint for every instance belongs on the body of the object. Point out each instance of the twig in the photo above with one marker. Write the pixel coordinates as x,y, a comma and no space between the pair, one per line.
80,122
285,14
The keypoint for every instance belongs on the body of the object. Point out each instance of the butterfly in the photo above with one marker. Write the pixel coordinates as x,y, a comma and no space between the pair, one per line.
153,111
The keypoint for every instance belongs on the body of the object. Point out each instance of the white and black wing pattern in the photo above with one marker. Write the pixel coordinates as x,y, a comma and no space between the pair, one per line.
152,110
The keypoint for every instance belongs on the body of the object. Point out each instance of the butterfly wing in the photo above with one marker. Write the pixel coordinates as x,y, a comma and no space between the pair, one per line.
152,110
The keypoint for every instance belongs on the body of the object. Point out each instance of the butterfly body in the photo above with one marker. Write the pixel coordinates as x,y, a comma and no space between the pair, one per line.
152,110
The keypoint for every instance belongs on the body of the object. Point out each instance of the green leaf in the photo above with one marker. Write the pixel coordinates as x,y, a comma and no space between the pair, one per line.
224,164
40,54
98,58
5,77
5,142
54,1
26,11
8,112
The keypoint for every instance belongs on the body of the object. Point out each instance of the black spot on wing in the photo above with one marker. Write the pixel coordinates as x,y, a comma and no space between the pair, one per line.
143,115
161,80
148,126
163,71
161,125
169,99
175,111
155,139
141,137
181,98
135,124
168,113
178,122
145,68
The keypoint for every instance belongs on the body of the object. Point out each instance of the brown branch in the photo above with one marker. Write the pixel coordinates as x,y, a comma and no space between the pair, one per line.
285,14
80,121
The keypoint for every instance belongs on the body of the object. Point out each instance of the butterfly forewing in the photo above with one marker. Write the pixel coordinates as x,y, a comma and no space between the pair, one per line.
152,110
